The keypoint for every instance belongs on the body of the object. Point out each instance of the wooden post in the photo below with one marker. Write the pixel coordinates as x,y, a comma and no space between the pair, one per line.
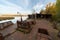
21,18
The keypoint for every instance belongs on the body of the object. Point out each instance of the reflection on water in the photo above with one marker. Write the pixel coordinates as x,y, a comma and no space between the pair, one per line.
15,19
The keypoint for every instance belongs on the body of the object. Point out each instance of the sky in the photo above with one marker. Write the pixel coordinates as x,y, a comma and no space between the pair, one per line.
22,6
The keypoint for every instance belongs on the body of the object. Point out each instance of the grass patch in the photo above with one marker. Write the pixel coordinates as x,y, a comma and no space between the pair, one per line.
23,30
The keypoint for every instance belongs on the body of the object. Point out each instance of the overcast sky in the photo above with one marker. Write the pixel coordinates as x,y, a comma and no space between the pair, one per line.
22,6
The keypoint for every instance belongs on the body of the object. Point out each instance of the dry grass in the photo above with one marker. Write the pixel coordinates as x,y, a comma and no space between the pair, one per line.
5,18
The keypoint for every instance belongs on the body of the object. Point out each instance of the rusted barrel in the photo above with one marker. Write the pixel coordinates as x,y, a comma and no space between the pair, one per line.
43,31
33,22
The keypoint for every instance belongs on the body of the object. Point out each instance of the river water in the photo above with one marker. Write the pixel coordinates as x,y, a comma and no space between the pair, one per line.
15,19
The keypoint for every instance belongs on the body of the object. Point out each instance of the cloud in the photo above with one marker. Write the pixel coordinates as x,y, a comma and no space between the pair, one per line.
42,4
9,7
23,3
5,9
38,7
26,2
